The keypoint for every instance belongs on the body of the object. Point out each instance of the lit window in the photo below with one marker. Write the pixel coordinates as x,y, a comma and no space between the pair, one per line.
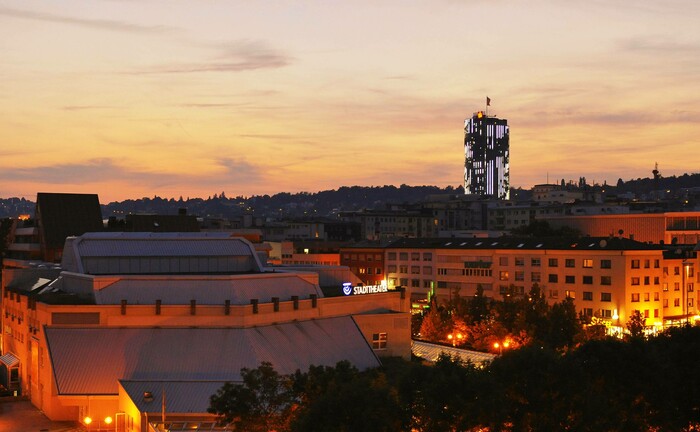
570,294
379,341
503,275
588,263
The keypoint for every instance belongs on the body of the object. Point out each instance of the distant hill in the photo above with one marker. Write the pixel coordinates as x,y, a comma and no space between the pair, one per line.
329,202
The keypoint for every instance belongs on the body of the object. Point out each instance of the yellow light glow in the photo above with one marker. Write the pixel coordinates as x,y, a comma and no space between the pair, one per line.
506,344
496,345
108,420
87,420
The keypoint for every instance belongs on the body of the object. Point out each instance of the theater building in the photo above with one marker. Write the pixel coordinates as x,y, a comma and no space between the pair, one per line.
135,326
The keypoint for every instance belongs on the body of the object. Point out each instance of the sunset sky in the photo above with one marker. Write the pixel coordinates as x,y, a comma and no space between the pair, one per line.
128,98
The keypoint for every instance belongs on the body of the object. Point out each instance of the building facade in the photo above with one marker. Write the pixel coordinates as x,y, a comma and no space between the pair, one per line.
608,278
131,314
668,227
486,156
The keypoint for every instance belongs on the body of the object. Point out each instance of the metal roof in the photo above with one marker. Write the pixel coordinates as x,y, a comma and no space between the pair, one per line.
92,360
558,243
206,290
9,360
181,397
126,252
431,352
161,245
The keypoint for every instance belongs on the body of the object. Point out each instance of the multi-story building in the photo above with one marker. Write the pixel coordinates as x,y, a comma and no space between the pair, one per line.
57,216
365,260
393,223
133,317
607,277
668,228
486,156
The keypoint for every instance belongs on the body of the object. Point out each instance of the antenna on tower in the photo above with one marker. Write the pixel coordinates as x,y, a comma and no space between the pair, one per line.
656,171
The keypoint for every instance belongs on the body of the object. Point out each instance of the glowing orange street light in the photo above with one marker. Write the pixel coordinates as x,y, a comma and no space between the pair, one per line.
108,420
455,338
500,346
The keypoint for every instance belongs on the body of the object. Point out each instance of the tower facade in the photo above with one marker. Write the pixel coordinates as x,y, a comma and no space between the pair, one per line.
486,155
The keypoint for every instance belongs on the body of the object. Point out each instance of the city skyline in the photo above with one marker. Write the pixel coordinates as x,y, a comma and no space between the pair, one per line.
132,99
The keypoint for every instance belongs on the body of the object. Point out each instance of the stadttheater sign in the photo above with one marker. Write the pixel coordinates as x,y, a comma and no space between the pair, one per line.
348,289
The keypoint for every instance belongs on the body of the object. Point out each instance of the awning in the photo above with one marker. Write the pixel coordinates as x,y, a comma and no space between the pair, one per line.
9,360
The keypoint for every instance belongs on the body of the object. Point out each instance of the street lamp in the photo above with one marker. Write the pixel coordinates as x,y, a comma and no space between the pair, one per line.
455,338
500,346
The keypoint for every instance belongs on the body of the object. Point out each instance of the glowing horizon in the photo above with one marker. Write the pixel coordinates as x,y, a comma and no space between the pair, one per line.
136,99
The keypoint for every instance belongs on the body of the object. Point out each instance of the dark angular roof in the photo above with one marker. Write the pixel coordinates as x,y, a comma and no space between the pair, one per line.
558,243
61,215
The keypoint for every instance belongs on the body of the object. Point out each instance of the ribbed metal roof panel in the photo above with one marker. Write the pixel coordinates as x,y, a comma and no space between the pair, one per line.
431,352
181,397
206,291
162,247
504,243
9,360
91,361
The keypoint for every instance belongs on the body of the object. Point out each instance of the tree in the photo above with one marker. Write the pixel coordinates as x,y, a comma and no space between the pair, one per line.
434,326
564,325
343,399
636,325
262,403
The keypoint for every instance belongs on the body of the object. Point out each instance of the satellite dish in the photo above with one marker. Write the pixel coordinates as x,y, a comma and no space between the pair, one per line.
603,243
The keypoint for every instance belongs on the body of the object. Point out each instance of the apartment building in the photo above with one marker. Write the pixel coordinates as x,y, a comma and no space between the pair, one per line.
607,277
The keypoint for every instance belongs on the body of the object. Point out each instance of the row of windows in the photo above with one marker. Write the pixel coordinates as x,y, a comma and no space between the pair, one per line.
647,280
367,270
553,278
647,263
635,297
554,262
415,256
362,257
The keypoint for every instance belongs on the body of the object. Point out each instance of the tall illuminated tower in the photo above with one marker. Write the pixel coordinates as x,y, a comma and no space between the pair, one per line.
486,153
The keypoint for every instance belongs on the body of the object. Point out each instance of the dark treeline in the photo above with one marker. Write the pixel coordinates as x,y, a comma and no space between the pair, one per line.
602,385
328,202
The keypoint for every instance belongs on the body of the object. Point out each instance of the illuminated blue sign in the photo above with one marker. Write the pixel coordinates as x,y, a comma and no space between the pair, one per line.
348,289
